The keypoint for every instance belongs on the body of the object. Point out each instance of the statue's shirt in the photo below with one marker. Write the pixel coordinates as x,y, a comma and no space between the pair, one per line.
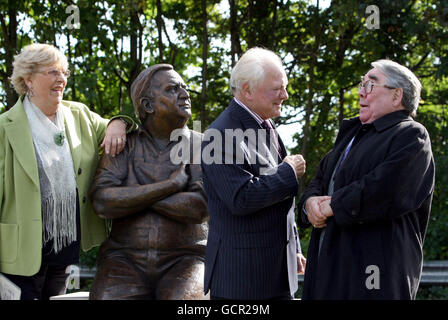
143,162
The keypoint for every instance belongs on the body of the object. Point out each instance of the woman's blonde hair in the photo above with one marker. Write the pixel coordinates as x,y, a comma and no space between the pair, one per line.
30,59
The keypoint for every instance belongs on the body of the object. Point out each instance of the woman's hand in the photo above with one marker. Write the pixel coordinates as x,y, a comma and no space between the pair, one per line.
115,138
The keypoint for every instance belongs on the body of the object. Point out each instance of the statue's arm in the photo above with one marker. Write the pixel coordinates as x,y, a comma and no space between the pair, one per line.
186,207
189,206
111,200
117,202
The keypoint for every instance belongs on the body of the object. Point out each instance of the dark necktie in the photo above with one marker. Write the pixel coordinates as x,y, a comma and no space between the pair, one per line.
271,132
338,165
346,152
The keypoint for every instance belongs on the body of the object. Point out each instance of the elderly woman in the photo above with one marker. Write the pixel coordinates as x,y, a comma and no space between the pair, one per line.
48,156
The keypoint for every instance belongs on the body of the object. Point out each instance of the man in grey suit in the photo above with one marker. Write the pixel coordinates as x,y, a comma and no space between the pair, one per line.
253,250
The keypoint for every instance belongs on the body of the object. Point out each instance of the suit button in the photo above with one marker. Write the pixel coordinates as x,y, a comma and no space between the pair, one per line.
79,171
354,213
84,199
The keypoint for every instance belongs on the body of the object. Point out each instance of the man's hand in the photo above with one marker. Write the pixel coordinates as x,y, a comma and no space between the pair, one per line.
301,263
325,208
115,138
297,162
318,215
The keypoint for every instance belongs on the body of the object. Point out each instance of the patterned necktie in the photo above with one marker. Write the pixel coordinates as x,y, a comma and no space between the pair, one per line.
271,131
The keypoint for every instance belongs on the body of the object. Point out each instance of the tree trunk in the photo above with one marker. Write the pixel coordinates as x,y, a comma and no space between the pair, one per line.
69,50
235,44
311,89
159,23
136,30
308,111
204,64
341,105
10,45
232,31
251,37
261,30
273,38
344,44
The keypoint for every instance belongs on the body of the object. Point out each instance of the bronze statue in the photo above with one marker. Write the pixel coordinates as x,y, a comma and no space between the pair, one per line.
158,209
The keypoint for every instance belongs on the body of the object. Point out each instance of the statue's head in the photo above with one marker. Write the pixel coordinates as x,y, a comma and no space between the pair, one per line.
160,92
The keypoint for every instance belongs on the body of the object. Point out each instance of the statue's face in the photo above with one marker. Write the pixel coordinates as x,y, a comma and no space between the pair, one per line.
171,99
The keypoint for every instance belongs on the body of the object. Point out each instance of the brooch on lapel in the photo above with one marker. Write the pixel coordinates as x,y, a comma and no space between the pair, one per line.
59,138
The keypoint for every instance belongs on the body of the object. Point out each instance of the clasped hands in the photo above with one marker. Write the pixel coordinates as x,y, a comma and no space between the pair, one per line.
318,210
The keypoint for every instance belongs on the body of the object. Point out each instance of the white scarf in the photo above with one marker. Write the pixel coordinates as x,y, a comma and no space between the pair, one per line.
56,176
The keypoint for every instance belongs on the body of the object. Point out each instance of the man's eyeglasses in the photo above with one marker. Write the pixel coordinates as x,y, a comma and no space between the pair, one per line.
368,86
56,73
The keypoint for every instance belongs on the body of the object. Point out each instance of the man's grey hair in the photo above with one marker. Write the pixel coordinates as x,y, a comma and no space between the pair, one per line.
250,68
398,76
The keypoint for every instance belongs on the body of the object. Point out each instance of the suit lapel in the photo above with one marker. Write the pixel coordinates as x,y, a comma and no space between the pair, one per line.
73,132
239,114
19,136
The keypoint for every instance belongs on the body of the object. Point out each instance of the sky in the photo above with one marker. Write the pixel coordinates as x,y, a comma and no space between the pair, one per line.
286,132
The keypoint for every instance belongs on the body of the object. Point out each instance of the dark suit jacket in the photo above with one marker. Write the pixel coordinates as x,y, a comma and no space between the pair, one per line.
381,204
246,247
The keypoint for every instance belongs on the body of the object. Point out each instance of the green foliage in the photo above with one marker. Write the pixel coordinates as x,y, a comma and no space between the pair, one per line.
89,258
435,119
432,293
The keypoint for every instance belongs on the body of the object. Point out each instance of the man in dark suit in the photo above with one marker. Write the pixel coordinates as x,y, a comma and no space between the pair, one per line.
371,198
252,249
